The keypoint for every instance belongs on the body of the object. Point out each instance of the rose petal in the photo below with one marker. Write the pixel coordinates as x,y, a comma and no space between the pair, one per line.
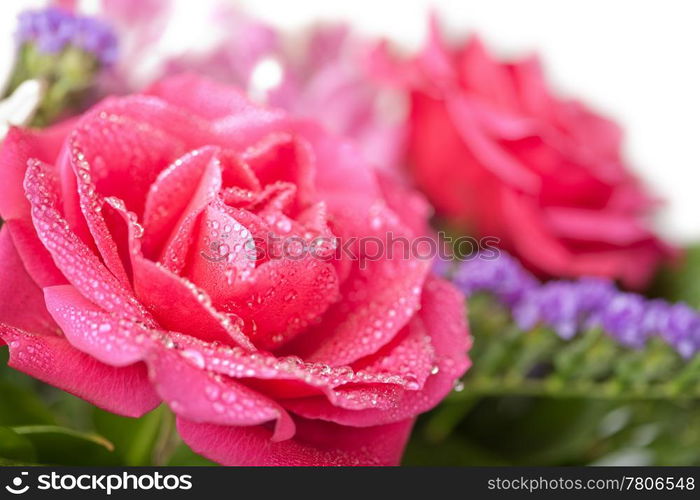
444,316
223,254
152,112
340,168
201,396
284,158
181,306
116,149
35,257
507,167
125,391
289,376
411,207
91,205
538,248
534,94
377,301
174,254
485,76
410,355
108,337
282,297
124,231
237,173
80,266
171,193
21,301
594,225
203,97
18,147
315,444
234,120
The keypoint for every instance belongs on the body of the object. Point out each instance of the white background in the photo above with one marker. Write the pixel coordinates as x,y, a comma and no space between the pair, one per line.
638,61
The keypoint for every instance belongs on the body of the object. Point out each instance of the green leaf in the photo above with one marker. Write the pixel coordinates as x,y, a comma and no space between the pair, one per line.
184,456
680,280
21,405
69,410
63,446
457,451
11,376
14,447
134,439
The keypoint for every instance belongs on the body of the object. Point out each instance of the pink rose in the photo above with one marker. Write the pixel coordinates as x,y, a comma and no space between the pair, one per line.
128,279
499,155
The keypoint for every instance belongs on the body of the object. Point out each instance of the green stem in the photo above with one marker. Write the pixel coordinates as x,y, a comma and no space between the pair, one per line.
167,440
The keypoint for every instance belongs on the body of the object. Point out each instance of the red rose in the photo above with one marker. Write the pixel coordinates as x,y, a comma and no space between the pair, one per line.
499,155
128,279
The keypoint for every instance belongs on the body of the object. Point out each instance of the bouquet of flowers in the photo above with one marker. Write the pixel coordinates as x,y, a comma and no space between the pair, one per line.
317,248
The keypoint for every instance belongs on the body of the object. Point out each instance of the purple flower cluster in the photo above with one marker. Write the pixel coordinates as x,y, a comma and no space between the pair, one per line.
571,306
503,277
52,29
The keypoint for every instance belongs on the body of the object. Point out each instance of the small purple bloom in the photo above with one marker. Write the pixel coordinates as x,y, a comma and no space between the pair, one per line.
571,306
682,329
52,29
594,293
555,304
624,318
503,276
97,38
656,315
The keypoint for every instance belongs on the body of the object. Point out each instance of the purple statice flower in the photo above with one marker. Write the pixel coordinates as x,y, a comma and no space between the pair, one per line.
571,306
594,293
681,329
502,276
94,36
566,306
623,317
53,28
555,304
656,315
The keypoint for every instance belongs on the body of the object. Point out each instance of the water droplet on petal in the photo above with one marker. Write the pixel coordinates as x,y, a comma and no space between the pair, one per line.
194,356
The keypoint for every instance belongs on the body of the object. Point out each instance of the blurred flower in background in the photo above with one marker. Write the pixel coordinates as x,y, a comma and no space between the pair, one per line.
568,369
498,154
319,74
572,307
19,107
53,29
20,103
56,57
